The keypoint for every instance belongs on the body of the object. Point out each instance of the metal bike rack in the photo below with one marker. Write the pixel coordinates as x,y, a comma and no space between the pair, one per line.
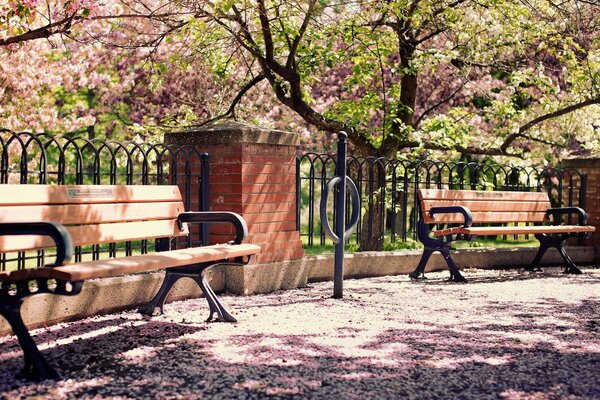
341,234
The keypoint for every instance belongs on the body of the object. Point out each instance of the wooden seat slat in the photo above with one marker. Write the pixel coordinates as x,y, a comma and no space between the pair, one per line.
148,262
485,205
98,234
514,230
442,194
91,213
82,194
487,217
19,275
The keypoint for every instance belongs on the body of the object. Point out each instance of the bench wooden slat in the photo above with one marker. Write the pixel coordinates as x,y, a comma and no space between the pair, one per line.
514,230
18,275
487,217
82,194
98,234
145,262
485,205
92,214
441,194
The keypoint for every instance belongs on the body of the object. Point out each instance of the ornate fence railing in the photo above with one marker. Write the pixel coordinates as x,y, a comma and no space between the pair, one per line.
387,187
388,190
29,158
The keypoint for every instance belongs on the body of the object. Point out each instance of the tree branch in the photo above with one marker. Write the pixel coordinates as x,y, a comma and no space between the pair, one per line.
523,128
294,47
61,26
439,103
64,25
430,35
266,29
231,110
249,43
451,5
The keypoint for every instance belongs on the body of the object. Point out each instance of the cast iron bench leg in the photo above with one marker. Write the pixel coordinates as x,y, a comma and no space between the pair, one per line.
419,272
214,304
431,246
156,305
570,268
538,257
559,243
455,275
35,364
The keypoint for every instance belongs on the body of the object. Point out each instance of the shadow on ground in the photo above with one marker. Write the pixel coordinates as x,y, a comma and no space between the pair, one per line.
388,338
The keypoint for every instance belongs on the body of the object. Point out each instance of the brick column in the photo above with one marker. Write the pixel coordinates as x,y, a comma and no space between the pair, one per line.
591,167
253,173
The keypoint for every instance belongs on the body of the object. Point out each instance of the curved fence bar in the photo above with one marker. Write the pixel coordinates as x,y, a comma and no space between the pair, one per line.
39,158
388,189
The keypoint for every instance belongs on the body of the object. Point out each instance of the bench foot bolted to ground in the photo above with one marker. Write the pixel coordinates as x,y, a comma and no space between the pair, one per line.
43,217
461,209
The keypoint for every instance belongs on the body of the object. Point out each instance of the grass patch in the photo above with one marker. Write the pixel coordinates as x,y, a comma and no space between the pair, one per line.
410,244
498,243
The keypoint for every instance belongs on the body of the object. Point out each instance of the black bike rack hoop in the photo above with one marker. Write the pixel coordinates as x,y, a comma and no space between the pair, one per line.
343,183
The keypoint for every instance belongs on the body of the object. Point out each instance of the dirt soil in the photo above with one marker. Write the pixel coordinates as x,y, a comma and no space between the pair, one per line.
503,335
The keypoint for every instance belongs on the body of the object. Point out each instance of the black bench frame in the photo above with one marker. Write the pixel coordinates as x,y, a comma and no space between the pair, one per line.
443,244
13,294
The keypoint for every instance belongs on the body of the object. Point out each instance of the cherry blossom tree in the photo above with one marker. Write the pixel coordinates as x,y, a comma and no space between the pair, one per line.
370,68
427,75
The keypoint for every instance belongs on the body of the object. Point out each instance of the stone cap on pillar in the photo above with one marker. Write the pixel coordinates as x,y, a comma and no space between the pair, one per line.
589,161
231,133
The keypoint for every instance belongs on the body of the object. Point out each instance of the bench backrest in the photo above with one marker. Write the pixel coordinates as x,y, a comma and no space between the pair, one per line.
92,214
485,206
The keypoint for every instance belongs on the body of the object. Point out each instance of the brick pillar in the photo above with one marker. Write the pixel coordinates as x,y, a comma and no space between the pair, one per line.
591,167
253,173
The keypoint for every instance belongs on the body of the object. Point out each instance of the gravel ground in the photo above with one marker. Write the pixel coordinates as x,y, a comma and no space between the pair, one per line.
504,335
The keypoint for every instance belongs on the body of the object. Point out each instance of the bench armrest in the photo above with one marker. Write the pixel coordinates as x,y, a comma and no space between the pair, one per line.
57,232
453,210
569,210
241,229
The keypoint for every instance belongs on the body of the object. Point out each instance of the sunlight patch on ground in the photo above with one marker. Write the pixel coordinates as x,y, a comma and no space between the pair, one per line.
139,354
388,338
454,363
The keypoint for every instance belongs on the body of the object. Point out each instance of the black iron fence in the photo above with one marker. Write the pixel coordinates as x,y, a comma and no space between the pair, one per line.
29,158
388,188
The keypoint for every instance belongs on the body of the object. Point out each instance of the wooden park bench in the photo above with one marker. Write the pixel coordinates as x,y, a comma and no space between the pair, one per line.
466,214
58,218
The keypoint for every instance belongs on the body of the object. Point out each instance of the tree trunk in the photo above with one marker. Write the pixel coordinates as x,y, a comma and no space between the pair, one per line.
371,235
373,220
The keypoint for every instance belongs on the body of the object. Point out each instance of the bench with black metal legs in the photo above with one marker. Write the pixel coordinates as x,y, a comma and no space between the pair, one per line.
55,219
466,214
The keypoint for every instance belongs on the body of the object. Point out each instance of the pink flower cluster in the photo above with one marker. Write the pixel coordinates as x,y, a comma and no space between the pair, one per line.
24,3
74,6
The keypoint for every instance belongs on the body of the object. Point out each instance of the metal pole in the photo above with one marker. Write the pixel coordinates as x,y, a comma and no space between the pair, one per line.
340,234
338,272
